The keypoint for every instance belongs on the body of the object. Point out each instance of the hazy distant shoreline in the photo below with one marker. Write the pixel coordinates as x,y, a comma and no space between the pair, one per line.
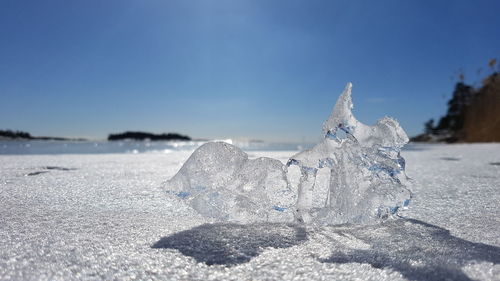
9,135
148,136
23,136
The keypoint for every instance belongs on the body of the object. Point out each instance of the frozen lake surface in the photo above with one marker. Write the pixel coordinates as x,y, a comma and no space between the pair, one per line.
105,217
34,147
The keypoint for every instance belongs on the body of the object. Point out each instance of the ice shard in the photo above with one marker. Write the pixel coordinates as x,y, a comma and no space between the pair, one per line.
367,173
367,180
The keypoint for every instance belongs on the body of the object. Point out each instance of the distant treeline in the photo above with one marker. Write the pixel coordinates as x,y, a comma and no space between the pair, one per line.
9,134
145,136
473,113
20,135
15,134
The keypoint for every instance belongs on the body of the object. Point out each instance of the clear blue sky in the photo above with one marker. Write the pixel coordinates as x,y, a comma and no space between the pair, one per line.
266,69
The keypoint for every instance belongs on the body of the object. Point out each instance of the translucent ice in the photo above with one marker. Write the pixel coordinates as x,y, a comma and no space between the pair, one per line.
220,182
366,178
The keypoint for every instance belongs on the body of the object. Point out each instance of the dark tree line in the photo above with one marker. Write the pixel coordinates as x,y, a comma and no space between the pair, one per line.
15,134
150,136
9,134
454,119
472,114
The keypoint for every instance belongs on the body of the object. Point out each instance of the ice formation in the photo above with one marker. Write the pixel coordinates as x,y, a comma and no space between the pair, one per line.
367,180
219,181
367,173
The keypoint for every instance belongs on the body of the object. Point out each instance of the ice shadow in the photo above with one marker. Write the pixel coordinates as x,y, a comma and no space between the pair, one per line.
36,173
450,158
59,168
231,244
47,169
418,250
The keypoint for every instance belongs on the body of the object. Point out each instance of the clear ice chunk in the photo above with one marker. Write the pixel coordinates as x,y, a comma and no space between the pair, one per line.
221,182
367,173
367,180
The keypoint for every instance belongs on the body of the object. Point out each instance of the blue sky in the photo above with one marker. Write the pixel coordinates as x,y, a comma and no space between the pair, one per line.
267,69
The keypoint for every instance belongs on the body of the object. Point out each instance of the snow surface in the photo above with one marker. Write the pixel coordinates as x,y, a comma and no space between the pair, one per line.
95,217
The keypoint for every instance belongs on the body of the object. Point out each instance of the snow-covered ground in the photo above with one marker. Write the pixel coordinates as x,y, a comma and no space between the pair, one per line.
93,217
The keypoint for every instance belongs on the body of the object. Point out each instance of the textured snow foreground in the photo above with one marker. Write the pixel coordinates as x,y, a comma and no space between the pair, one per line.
95,217
365,178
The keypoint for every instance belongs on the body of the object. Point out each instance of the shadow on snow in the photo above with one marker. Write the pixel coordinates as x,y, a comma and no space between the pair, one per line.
231,244
418,250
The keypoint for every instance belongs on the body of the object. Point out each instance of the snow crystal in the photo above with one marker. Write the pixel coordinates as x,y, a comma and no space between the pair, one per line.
367,179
